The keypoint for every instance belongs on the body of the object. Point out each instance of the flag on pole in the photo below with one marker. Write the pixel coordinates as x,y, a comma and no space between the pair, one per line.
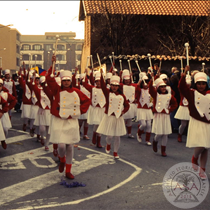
39,70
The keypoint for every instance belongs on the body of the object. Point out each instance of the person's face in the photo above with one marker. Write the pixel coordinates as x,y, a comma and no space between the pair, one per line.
1,86
201,86
98,83
37,81
114,88
165,80
108,81
7,76
162,89
127,81
66,83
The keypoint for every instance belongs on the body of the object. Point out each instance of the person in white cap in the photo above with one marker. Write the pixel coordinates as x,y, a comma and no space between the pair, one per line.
43,119
163,104
144,112
77,83
112,124
97,108
129,92
183,111
3,109
5,120
199,124
10,85
68,104
33,79
107,79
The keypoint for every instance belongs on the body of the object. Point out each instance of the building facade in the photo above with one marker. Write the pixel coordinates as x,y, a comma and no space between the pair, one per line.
37,50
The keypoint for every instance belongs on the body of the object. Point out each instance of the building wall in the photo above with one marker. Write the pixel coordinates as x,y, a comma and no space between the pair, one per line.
9,39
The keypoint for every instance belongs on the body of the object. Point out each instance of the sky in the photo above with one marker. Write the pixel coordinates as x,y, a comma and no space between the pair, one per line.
38,17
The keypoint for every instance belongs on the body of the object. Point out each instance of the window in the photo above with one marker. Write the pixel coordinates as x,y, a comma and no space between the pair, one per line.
60,57
25,57
38,58
61,47
37,47
79,47
26,47
49,47
17,49
17,61
18,37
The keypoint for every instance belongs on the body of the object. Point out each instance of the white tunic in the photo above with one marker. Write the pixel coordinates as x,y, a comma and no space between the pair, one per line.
98,97
145,97
162,103
129,92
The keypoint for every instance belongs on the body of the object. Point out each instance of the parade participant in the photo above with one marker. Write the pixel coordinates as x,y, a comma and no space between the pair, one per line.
5,120
67,106
199,124
3,109
45,98
10,85
97,108
35,103
82,118
129,92
183,111
144,112
107,79
112,124
164,77
163,104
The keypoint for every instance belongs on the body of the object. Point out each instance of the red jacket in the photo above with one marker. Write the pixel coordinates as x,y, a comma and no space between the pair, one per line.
5,107
24,98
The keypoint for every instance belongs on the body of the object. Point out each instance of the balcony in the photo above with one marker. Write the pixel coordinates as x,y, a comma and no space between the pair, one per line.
33,62
32,52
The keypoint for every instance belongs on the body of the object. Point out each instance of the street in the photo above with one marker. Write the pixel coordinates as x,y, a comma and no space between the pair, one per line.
30,178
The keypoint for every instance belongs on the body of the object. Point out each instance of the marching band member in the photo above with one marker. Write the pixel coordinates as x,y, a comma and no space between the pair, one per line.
183,111
129,92
107,79
67,106
199,124
97,108
10,85
5,120
44,99
163,104
82,118
144,112
112,124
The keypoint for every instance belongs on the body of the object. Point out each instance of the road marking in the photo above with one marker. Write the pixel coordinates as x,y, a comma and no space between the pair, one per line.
18,138
38,183
20,131
52,165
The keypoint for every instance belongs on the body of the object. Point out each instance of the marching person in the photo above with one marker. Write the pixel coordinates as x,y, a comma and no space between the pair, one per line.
144,112
43,118
77,82
129,92
199,124
97,108
5,120
68,104
163,104
3,109
183,111
112,124
10,85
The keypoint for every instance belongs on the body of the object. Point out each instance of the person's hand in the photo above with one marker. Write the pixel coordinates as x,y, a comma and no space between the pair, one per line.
186,69
53,58
101,70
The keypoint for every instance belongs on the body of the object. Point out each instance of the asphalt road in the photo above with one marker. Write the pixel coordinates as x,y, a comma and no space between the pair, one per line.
29,177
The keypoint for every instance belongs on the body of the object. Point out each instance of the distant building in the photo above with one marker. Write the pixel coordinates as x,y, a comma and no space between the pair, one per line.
38,49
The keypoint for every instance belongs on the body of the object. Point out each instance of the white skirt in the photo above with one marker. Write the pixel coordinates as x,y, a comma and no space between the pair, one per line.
112,126
182,113
198,134
144,114
43,117
2,135
26,111
84,116
64,131
131,113
95,115
6,122
34,111
161,124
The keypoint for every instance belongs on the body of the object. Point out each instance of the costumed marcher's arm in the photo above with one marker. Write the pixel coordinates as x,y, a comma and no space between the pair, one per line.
173,104
5,106
126,106
51,82
11,101
92,80
86,85
103,86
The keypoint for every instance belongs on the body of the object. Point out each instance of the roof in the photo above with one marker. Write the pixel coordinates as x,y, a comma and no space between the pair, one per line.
145,7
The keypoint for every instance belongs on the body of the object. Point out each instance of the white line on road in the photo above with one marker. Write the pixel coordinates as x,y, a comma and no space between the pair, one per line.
18,138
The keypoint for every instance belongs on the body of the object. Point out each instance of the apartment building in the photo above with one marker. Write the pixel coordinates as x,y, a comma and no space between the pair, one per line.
9,48
37,50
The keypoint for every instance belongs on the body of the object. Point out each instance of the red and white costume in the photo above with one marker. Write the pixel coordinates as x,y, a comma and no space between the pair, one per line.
3,109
